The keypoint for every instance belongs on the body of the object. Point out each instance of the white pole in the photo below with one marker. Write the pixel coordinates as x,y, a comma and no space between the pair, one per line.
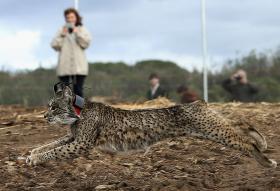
204,51
76,4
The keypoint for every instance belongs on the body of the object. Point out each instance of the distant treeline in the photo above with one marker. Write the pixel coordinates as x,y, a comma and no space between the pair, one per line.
130,83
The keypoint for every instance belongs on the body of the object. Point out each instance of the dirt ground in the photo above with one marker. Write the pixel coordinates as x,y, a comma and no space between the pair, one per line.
184,163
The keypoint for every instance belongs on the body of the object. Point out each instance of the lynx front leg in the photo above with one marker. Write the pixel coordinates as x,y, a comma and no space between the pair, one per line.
62,141
66,151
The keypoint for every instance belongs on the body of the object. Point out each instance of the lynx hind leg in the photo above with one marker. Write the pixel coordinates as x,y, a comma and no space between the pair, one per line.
258,137
240,143
232,139
261,158
210,125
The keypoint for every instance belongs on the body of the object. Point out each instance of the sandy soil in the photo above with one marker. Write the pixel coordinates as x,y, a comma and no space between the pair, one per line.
184,163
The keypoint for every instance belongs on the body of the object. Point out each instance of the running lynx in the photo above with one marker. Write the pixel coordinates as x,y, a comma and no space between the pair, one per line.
103,126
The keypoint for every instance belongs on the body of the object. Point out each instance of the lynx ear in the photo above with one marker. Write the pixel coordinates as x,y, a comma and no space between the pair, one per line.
58,89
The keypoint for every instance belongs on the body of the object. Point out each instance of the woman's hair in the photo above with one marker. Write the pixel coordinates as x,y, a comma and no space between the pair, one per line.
72,10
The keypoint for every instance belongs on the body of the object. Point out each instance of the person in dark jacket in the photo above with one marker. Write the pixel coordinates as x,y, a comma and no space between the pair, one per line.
187,96
155,88
239,87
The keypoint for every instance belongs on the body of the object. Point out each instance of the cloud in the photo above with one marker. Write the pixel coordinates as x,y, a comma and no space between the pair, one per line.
18,49
134,30
132,50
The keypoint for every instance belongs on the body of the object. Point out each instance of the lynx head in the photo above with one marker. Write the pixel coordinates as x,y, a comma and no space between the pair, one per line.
60,108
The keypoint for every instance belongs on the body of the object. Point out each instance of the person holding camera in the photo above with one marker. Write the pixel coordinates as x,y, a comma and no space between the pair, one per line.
239,87
71,41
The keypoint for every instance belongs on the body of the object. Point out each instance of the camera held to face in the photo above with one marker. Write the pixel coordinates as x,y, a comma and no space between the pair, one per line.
70,27
238,78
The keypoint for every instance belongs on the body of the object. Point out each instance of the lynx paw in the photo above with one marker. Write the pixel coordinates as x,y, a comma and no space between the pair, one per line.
273,163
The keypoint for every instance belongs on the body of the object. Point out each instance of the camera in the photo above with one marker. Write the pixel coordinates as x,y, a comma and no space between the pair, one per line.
70,27
238,78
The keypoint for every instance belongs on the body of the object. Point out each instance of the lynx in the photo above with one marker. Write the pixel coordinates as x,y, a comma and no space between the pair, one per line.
106,127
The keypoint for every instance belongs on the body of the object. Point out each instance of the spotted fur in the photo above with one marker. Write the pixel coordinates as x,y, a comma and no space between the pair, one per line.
103,126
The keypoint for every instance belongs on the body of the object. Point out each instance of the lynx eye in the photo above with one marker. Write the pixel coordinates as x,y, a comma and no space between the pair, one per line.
52,107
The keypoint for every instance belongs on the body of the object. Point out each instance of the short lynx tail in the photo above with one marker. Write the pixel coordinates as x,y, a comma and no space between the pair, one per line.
261,158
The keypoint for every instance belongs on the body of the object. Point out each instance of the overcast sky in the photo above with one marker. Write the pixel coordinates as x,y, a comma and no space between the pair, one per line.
133,30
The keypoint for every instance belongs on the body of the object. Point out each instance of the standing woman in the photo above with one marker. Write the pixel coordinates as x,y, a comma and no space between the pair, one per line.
71,41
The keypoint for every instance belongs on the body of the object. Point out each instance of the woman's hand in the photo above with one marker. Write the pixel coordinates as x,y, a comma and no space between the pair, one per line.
64,31
75,29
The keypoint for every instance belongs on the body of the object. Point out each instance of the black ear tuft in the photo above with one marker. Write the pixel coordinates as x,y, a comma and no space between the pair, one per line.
58,89
63,90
